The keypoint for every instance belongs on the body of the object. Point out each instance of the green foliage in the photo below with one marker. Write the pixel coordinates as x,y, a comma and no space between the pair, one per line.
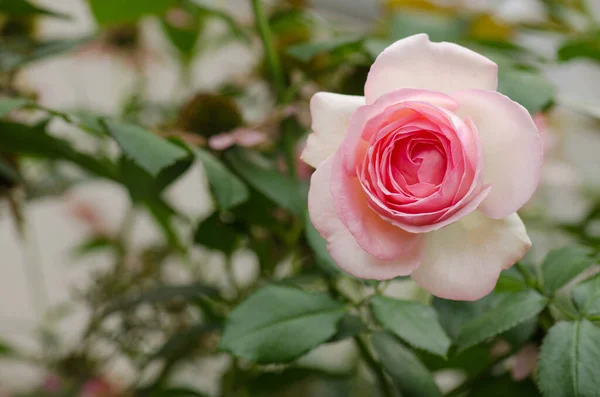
530,89
319,247
410,376
261,175
513,310
18,53
564,264
24,8
587,296
307,51
144,148
413,322
569,359
117,11
215,234
438,27
228,190
278,324
9,104
586,46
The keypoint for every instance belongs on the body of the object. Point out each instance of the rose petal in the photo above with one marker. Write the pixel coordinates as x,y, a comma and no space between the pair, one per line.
330,114
513,150
415,62
463,261
341,243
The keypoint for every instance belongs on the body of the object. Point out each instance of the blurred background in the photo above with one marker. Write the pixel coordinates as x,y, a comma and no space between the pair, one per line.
74,248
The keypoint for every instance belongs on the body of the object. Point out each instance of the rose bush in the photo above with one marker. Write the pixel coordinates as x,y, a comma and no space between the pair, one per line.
424,174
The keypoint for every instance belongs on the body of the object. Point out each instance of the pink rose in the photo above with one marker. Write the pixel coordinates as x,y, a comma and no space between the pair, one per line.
424,174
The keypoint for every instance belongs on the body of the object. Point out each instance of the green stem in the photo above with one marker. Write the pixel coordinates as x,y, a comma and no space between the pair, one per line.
273,63
386,388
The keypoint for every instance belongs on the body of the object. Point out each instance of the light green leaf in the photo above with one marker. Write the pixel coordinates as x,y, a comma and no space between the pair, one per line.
570,360
118,11
587,46
530,89
7,105
513,310
279,188
564,264
438,27
410,376
228,189
412,322
350,326
147,150
587,296
279,324
511,280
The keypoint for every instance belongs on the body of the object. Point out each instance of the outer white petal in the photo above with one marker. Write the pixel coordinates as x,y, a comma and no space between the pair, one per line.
330,114
463,261
415,62
342,245
513,150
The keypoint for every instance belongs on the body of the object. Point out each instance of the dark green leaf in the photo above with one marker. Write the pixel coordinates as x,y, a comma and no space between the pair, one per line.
522,333
279,188
413,322
185,37
162,294
503,386
228,190
530,89
164,215
5,349
93,245
587,296
183,343
306,51
9,104
279,324
142,185
581,47
511,280
147,150
215,234
173,392
570,360
34,141
410,376
564,264
513,310
118,11
23,8
453,315
350,326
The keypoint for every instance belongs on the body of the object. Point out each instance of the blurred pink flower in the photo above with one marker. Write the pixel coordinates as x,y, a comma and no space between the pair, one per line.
52,384
98,387
525,362
246,137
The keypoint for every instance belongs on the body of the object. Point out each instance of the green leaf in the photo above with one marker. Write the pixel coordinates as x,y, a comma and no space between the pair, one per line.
513,310
118,11
185,38
173,392
5,349
570,360
503,386
225,17
350,326
438,27
143,186
279,188
453,315
7,105
587,46
587,296
94,244
34,141
147,150
410,376
279,324
511,280
319,246
306,51
162,294
563,264
16,53
215,234
183,343
412,322
530,89
228,190
23,8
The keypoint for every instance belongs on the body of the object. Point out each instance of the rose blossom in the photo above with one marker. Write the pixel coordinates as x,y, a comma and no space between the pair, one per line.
424,174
